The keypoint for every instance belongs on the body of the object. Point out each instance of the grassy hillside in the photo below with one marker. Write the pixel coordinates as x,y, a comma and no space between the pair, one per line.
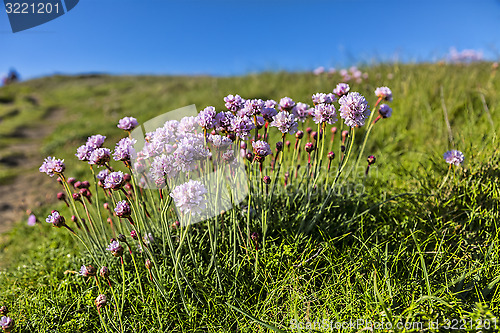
422,252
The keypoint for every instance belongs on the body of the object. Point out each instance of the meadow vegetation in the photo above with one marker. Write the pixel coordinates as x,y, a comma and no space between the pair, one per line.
414,241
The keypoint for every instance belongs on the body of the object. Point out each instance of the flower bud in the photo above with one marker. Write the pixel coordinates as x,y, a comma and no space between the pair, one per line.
232,136
334,130
76,196
78,184
299,134
85,192
309,130
371,160
345,134
85,184
104,272
61,196
266,180
250,157
331,155
106,205
287,143
133,234
314,135
127,177
342,148
279,146
254,236
309,147
71,180
148,264
122,238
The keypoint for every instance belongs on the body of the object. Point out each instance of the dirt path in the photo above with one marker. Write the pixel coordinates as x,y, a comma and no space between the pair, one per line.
30,189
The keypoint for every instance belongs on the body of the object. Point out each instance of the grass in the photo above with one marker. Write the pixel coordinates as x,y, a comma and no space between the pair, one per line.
418,253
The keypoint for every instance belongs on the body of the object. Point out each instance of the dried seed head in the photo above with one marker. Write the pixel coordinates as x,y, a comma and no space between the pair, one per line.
104,272
100,301
88,270
4,310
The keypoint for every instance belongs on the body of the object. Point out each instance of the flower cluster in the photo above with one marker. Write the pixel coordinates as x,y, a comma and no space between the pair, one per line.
52,166
56,219
384,93
127,123
84,152
354,109
454,157
190,197
352,73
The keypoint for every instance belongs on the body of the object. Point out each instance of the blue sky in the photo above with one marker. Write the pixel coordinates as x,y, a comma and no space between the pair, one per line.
236,37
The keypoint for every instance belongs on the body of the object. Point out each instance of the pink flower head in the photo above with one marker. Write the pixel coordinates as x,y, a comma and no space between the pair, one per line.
455,157
384,93
354,109
261,148
127,123
52,166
